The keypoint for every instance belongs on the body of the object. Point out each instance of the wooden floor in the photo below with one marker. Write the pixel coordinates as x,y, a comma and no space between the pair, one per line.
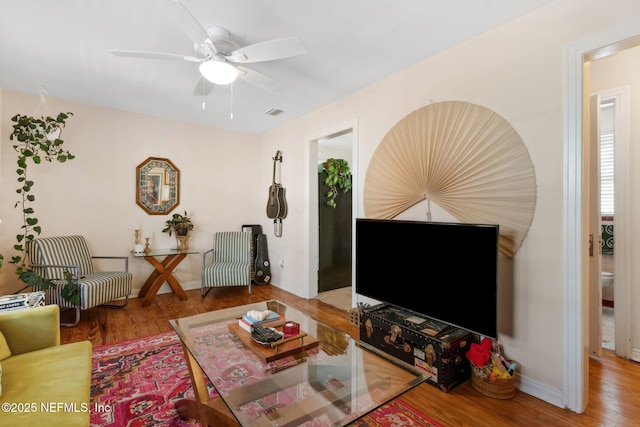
614,384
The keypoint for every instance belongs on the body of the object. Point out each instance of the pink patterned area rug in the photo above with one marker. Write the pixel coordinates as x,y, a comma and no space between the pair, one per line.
136,383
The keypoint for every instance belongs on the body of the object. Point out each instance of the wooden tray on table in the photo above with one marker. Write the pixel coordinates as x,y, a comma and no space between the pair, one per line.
289,346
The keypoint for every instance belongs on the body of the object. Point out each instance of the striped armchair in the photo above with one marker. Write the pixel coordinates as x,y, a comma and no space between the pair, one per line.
229,262
51,256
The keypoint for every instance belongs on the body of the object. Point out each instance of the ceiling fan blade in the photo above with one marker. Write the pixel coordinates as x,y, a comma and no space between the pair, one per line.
268,50
190,25
155,55
202,87
260,81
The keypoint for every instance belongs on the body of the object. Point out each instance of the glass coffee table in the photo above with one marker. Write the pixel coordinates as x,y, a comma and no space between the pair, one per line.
320,376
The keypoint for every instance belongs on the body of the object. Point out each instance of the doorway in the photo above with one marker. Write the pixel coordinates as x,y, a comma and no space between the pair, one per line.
575,323
611,281
606,138
334,223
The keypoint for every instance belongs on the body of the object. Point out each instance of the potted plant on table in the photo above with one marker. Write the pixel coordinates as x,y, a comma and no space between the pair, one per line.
181,225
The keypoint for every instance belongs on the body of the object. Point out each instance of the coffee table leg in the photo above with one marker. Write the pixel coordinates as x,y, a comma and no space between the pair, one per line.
210,412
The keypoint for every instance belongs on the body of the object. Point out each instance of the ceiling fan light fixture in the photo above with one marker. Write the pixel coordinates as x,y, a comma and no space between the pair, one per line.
218,72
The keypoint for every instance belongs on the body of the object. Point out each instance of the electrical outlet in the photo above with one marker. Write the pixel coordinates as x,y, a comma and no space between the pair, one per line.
281,263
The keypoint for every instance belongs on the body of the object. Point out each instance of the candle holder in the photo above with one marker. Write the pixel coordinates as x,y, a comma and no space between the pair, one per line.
138,248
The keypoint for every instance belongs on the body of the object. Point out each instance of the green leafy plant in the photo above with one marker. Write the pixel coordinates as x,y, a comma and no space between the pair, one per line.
338,177
179,224
37,139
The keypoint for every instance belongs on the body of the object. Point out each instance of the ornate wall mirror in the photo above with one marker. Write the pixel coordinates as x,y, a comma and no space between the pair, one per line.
157,186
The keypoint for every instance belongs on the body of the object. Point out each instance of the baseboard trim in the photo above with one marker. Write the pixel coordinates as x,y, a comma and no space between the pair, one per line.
542,392
166,289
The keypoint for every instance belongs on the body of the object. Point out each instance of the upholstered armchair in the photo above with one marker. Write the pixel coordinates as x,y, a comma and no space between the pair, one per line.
51,256
228,263
37,370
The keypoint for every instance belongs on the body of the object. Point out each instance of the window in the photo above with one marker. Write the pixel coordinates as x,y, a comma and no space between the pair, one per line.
606,158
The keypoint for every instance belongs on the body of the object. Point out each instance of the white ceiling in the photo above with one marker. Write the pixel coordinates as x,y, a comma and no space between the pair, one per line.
62,48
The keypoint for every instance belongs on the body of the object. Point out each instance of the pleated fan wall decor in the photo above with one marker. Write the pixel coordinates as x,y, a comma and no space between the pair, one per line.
465,158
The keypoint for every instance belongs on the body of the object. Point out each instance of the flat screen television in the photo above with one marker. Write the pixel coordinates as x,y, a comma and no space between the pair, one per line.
445,271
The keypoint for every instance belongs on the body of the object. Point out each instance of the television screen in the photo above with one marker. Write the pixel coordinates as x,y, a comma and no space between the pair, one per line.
445,271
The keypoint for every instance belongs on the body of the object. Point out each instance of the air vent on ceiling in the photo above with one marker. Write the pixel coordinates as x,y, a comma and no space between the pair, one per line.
274,112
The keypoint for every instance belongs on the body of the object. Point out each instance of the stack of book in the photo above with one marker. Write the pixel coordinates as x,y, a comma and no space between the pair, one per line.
20,301
272,319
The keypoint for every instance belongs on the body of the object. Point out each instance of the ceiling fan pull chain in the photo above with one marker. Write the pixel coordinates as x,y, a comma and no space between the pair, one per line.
231,113
43,108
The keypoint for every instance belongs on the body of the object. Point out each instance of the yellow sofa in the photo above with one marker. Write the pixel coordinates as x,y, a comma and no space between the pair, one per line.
43,383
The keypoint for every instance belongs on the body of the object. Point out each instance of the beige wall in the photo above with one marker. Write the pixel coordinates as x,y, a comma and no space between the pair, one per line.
517,71
94,194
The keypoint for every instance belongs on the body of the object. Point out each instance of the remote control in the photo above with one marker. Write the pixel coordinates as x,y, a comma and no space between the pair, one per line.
262,334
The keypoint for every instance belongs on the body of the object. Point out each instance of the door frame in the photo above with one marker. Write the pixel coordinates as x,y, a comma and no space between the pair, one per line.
575,363
311,221
594,224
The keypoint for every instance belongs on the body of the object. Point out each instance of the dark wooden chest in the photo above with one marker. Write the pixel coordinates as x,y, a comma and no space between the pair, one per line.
435,347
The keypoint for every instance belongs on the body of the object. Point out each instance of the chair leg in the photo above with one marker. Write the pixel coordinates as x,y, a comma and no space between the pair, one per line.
70,325
77,310
126,301
203,292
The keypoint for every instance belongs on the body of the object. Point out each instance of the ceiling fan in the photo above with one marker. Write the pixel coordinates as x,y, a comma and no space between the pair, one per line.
220,56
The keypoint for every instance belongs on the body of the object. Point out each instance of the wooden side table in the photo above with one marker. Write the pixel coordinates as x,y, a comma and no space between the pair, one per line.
163,271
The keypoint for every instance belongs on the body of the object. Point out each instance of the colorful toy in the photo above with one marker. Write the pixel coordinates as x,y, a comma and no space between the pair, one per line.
480,354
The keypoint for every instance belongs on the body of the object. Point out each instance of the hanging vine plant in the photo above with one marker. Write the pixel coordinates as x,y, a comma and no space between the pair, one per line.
37,139
338,177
